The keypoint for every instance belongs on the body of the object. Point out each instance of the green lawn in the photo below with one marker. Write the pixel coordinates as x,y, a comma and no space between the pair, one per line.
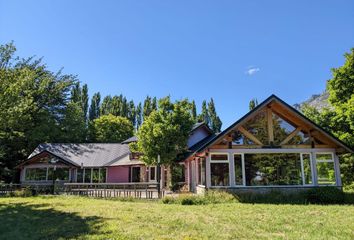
84,218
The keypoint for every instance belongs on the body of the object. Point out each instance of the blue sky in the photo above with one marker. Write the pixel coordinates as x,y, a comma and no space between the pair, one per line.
232,51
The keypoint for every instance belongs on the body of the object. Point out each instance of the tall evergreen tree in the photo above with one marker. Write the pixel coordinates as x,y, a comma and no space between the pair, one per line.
204,115
215,122
94,111
194,111
84,100
253,103
139,116
76,93
132,112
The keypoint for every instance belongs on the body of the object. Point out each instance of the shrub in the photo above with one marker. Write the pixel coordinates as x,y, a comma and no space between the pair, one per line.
24,192
219,196
349,188
325,195
193,200
168,200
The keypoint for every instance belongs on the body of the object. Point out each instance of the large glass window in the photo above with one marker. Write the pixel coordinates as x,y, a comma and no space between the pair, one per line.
103,174
238,169
219,170
273,169
325,169
257,126
80,175
201,180
306,162
95,175
87,175
36,174
60,174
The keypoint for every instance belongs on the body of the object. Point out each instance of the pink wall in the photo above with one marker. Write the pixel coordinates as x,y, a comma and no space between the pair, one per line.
118,174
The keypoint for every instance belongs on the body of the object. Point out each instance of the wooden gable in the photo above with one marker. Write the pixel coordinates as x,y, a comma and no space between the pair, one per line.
275,124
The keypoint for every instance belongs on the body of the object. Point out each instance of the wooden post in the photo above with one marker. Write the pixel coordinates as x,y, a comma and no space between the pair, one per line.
270,125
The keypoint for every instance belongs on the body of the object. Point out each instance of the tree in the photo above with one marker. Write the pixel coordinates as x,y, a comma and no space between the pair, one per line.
339,119
139,116
94,111
253,103
84,101
215,122
132,112
204,115
73,126
147,108
33,103
165,132
106,106
112,129
194,111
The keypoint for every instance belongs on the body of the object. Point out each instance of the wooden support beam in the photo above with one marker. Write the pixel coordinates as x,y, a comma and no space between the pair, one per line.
249,135
290,136
270,126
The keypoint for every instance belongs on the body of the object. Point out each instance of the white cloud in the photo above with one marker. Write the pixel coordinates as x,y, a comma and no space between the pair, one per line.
252,70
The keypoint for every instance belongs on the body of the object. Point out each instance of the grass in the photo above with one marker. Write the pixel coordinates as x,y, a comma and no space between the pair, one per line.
84,218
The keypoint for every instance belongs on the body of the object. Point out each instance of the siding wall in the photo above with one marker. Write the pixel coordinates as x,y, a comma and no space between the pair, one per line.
118,174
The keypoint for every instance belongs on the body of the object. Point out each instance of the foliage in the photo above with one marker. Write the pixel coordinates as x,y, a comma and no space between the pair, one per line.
94,111
165,132
112,129
210,197
32,105
24,192
215,122
253,103
204,115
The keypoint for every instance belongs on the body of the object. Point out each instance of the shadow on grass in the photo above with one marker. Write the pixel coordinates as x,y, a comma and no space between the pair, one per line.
37,221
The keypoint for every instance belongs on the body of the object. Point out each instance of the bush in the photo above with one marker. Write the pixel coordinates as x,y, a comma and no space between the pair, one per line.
210,197
24,192
349,188
219,196
325,195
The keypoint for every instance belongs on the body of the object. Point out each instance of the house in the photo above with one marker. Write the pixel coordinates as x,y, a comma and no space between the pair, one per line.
273,145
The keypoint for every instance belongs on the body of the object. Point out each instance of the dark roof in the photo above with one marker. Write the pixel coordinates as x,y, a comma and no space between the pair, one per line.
130,140
88,154
261,105
201,124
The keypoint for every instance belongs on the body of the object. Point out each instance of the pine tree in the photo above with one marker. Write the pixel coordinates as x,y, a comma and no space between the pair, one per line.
194,111
147,107
132,112
204,116
215,122
139,117
253,103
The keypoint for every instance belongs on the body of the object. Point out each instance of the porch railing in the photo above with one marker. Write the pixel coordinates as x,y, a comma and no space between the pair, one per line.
111,190
8,188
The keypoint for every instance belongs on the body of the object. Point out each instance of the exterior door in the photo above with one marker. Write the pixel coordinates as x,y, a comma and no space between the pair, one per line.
135,174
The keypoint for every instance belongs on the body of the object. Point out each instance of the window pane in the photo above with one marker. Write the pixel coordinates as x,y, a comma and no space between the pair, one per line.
201,172
282,129
103,175
307,168
152,173
300,138
273,169
325,173
219,174
87,175
62,174
219,157
258,127
239,139
95,175
323,156
238,169
36,174
79,175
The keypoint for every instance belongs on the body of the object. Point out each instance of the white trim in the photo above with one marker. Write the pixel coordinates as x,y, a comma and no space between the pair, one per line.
218,162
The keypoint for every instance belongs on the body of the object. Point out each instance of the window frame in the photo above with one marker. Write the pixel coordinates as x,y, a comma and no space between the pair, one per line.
326,161
218,162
